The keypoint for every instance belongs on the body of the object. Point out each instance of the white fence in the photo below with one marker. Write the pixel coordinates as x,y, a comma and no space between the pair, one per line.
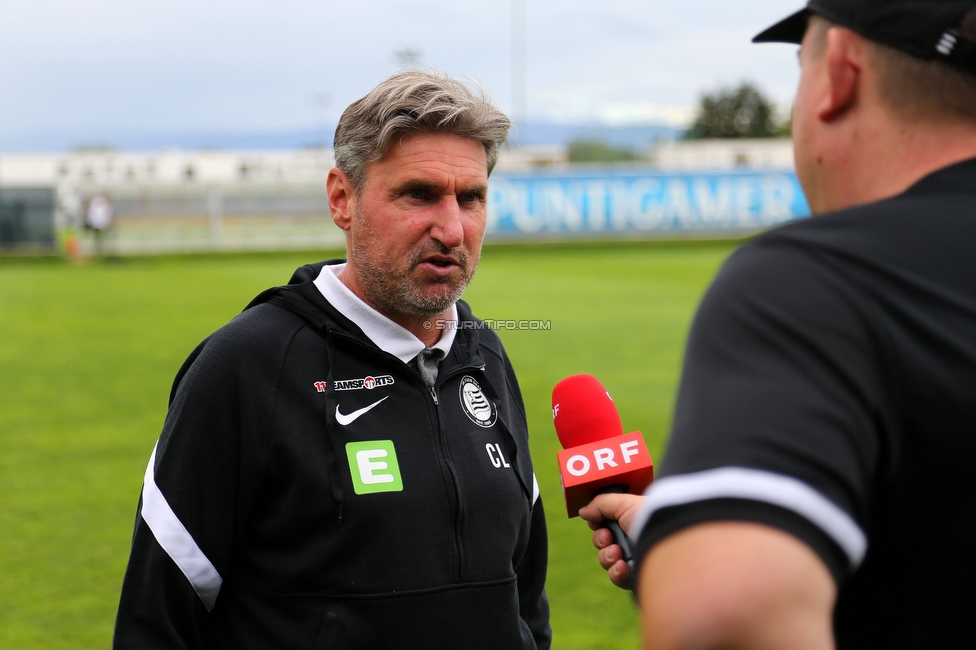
229,217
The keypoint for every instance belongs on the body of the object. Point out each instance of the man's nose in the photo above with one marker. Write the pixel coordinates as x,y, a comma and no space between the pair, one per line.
448,228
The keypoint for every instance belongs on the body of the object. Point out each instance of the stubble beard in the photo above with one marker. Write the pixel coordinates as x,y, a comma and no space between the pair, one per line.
394,288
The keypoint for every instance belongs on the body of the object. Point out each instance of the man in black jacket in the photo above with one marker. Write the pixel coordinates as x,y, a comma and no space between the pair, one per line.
346,463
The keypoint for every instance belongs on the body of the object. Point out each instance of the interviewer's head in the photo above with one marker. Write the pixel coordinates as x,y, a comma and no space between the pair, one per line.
887,94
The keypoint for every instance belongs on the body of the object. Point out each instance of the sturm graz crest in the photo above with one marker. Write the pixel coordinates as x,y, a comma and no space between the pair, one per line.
474,403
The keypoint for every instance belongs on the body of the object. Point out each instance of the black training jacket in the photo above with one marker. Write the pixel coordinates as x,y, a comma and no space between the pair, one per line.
308,490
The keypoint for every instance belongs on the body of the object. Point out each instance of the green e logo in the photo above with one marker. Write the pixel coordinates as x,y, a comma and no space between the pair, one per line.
374,468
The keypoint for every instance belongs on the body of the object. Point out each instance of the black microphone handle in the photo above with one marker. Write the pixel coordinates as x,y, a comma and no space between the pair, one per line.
620,538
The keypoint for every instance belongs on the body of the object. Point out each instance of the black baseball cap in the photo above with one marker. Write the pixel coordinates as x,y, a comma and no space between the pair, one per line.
925,28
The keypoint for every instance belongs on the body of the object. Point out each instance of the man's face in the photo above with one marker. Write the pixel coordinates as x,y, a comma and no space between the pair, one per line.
417,224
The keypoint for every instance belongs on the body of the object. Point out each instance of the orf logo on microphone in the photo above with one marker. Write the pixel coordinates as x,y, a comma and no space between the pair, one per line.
618,460
579,464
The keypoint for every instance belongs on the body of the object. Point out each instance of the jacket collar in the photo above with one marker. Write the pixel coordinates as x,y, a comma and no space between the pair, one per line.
303,298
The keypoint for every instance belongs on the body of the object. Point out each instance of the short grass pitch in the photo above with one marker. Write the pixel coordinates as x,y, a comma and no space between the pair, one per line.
87,354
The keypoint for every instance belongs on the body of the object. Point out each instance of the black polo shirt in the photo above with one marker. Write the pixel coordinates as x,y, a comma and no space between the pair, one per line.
829,390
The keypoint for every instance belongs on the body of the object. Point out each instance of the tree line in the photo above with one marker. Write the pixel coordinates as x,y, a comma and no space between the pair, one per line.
728,112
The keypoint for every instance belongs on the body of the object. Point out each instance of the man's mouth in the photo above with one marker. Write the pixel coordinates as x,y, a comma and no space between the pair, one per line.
441,267
442,261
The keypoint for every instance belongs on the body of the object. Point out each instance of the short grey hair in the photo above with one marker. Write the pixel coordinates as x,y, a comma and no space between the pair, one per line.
415,101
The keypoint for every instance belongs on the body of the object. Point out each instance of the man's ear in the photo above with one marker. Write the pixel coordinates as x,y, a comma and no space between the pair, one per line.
341,196
844,56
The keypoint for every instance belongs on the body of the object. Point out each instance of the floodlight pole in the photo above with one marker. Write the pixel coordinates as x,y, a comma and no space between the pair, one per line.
519,80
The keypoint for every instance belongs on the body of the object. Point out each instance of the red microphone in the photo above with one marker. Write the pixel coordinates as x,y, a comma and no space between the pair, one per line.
597,455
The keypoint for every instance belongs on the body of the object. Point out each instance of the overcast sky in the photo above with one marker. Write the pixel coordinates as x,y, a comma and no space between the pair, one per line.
94,68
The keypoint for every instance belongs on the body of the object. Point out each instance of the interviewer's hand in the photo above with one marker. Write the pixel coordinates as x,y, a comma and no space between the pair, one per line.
623,508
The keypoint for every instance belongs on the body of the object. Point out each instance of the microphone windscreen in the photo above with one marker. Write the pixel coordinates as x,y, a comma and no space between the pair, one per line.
583,412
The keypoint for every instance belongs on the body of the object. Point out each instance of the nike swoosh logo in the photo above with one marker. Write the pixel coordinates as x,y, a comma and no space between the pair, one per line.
349,419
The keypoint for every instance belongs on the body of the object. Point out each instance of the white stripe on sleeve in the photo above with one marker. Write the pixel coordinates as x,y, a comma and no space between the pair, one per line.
535,489
756,485
174,538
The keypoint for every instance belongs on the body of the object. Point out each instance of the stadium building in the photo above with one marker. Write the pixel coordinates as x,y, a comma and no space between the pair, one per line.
189,201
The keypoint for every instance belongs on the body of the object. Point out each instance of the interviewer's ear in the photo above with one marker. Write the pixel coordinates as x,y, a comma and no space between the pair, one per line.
341,194
845,53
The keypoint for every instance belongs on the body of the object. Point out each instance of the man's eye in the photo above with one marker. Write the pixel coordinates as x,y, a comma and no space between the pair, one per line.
417,195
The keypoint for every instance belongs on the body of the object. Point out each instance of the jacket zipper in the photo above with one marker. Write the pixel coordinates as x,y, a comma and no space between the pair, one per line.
442,442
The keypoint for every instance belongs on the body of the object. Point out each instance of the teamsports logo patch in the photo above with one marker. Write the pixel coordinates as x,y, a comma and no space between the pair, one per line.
474,403
369,383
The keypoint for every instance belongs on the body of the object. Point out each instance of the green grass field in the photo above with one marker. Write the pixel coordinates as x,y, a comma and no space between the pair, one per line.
87,354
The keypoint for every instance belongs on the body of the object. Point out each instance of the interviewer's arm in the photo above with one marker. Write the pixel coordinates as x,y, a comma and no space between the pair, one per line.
722,584
735,585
